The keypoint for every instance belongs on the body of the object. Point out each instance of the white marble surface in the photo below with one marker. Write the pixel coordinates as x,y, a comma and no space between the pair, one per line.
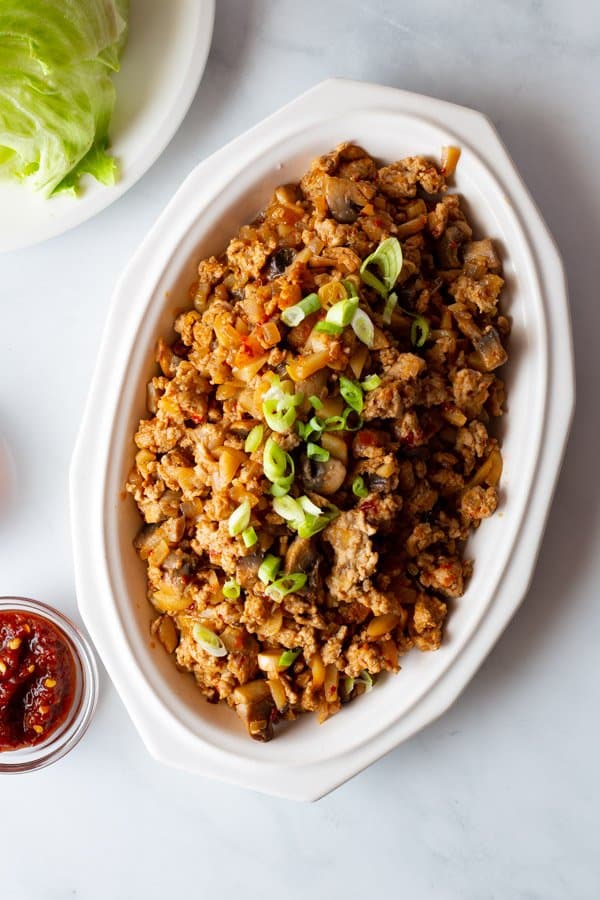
499,798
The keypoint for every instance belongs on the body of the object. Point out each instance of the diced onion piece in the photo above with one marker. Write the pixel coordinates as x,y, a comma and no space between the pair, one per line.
273,624
278,693
247,372
168,599
380,625
363,327
318,671
239,518
489,471
268,661
254,439
289,584
336,445
249,536
269,335
450,157
330,685
268,569
388,261
358,360
288,657
208,640
231,589
305,366
352,393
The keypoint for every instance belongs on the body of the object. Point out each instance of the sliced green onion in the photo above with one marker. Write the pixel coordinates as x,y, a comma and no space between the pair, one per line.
231,589
281,488
342,312
313,451
359,488
334,423
350,288
419,331
288,657
293,315
387,259
280,413
277,464
390,306
365,678
239,518
325,327
315,402
371,383
289,584
254,439
287,508
345,417
352,393
279,405
249,536
309,507
348,685
363,328
208,640
268,569
316,424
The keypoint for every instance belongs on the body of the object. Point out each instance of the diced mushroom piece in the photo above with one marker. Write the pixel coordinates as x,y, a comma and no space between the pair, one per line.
279,262
246,571
254,705
323,477
345,198
301,556
482,251
450,244
490,349
164,629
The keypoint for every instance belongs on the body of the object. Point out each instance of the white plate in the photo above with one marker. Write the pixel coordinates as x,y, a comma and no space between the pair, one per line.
226,190
162,66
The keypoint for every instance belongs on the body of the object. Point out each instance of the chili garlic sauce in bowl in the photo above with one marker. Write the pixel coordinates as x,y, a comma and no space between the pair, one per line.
48,685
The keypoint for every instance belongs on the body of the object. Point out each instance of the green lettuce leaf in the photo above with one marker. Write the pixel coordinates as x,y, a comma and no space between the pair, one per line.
56,92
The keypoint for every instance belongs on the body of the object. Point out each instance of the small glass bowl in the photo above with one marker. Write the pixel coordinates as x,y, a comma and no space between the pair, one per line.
71,730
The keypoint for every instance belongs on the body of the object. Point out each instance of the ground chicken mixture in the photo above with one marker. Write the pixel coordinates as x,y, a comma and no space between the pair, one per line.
319,447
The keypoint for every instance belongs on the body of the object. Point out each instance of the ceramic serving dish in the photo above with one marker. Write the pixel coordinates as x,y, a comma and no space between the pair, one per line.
176,724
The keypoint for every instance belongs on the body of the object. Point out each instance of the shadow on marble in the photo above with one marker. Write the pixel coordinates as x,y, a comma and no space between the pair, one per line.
8,481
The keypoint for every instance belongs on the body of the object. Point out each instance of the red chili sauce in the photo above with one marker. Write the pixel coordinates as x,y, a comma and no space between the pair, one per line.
37,679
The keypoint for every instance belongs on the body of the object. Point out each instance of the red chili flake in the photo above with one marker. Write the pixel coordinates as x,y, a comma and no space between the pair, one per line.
379,223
